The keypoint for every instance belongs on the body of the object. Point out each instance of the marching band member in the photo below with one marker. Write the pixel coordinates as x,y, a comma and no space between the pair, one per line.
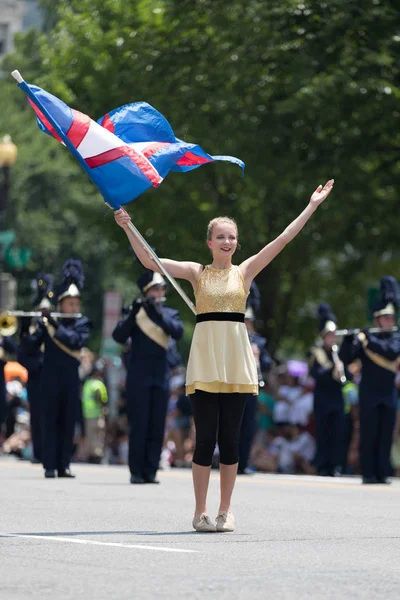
63,340
379,354
33,363
263,362
149,324
329,375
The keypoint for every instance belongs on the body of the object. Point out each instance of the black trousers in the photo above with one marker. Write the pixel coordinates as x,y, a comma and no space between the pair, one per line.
329,427
348,435
217,417
247,431
147,410
60,396
376,434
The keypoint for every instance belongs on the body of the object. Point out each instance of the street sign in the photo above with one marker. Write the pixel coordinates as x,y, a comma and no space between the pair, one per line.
17,258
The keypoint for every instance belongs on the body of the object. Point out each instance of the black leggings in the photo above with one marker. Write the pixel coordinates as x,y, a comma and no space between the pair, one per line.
217,416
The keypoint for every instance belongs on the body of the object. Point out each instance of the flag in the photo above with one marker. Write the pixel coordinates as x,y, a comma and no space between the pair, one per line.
124,153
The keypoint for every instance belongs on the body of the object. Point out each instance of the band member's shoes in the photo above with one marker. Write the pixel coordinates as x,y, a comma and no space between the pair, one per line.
66,473
137,479
203,524
323,473
246,471
369,480
225,521
384,480
49,473
151,480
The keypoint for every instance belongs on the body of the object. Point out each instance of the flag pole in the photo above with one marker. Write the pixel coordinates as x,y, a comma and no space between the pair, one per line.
22,84
159,264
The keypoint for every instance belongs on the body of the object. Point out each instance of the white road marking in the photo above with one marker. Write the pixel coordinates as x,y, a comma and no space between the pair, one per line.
93,543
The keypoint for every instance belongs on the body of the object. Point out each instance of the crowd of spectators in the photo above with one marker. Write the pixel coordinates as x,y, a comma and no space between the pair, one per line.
284,441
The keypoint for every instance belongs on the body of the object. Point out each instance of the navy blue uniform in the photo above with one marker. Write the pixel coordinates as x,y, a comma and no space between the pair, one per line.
60,386
377,398
7,346
33,363
249,420
147,385
329,412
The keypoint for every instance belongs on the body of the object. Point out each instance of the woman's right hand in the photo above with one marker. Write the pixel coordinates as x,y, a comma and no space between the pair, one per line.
122,217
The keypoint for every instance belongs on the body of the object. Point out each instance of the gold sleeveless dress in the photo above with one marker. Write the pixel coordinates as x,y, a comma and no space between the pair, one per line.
221,358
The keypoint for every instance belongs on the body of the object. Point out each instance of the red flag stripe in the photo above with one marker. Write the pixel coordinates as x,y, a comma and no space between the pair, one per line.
79,127
107,123
45,122
141,162
190,159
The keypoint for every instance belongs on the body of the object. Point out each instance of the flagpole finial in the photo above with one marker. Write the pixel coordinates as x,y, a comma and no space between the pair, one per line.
17,75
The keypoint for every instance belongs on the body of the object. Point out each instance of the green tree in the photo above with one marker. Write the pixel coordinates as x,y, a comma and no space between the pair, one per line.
300,90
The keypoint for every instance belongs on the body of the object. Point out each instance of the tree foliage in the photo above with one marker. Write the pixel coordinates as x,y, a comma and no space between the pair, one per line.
300,90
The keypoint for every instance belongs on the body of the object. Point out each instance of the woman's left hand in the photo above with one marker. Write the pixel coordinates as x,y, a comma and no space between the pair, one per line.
321,193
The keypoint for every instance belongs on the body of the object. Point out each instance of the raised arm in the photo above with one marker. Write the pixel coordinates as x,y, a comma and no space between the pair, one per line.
253,265
179,269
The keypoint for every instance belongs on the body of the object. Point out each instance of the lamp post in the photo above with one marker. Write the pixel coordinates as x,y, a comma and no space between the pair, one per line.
8,156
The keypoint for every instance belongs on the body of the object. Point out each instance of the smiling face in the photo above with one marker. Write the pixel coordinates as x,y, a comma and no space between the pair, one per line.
222,238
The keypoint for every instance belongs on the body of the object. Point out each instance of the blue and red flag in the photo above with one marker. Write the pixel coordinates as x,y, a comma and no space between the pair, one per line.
127,151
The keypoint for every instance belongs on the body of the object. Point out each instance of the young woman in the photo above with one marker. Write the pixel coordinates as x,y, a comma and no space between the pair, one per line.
221,368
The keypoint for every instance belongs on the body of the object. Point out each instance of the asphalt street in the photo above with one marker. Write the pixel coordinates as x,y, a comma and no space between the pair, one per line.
99,537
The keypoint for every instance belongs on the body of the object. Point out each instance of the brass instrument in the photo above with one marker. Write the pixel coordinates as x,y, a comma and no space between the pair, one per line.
344,332
338,365
8,325
38,313
144,299
9,319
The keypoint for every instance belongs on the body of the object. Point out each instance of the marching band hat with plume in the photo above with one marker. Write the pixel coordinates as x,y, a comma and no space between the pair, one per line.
72,280
327,320
43,294
388,301
150,279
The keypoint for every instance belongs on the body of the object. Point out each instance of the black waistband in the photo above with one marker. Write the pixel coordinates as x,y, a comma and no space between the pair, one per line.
220,316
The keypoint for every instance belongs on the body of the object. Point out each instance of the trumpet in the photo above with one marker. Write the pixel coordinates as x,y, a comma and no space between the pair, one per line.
38,313
9,319
344,332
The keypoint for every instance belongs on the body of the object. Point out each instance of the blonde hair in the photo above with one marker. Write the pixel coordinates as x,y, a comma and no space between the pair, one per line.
218,220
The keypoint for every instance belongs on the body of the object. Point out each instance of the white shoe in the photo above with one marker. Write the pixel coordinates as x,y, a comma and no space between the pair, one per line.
203,524
225,521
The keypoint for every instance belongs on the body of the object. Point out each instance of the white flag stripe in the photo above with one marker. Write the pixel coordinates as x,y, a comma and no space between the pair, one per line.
139,146
97,141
